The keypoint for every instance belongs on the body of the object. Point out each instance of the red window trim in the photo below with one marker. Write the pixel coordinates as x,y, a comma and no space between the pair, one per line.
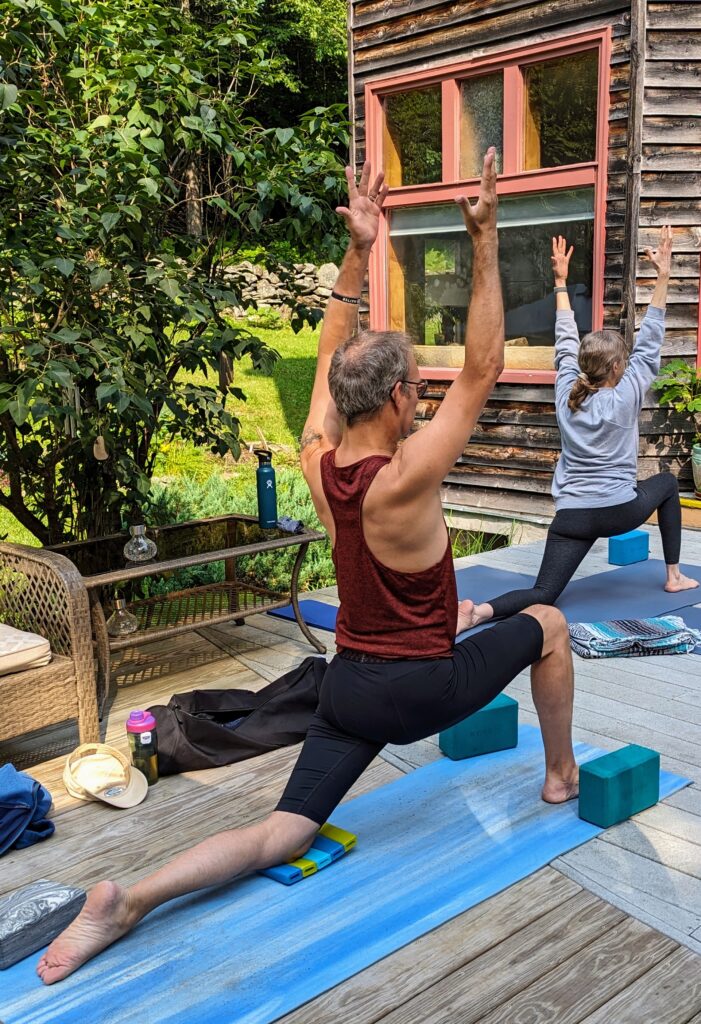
510,181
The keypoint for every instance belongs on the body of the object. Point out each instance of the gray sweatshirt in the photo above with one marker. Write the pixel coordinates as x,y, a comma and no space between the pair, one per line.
599,461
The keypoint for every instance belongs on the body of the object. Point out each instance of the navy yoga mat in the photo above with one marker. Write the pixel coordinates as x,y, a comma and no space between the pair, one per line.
630,592
314,613
692,617
430,845
479,582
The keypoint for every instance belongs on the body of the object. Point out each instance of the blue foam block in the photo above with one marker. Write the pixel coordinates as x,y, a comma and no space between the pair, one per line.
630,547
494,727
436,842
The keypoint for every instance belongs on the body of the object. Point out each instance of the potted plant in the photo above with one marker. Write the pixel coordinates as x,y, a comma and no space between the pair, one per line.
679,384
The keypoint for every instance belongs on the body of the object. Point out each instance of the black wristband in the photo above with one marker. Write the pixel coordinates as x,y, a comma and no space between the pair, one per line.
560,288
345,298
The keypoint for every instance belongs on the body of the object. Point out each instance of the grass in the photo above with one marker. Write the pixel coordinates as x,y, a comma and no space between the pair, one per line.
276,405
12,531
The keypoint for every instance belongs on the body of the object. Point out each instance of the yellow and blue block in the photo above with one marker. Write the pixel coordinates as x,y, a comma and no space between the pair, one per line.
330,843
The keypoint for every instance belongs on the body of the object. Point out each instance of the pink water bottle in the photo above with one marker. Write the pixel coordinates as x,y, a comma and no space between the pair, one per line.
143,744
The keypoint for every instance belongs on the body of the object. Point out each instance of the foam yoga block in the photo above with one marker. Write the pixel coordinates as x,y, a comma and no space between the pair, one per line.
329,844
627,548
494,727
617,785
33,916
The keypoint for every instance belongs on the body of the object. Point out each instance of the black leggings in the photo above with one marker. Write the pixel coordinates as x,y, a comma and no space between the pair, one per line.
364,706
574,530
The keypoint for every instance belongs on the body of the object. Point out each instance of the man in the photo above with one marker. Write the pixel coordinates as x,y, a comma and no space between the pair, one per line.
399,675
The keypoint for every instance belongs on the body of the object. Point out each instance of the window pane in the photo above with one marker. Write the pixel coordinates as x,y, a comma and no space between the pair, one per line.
430,270
481,122
560,111
412,137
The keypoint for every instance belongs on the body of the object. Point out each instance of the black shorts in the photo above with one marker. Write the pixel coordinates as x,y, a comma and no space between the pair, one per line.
364,706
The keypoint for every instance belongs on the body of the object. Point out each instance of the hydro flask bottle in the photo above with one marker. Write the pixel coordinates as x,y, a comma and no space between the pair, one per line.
267,497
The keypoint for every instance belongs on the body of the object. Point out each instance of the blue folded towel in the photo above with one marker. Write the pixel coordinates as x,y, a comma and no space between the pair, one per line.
24,804
633,638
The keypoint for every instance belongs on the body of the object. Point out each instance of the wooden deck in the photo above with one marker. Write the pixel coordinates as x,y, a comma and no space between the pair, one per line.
549,948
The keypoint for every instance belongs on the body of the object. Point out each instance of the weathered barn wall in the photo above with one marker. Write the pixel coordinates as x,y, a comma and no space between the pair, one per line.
654,175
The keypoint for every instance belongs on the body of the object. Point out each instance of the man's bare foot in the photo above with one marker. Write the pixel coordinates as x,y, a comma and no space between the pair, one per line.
558,789
471,615
105,917
678,582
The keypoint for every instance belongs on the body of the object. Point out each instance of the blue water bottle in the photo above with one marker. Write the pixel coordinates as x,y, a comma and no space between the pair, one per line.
267,496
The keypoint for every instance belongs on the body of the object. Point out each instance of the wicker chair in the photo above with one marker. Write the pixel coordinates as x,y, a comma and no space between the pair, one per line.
42,592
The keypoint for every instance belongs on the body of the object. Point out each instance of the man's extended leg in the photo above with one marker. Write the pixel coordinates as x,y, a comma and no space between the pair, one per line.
111,910
552,686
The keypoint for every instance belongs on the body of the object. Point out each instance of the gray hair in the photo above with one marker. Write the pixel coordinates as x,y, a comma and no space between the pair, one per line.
364,370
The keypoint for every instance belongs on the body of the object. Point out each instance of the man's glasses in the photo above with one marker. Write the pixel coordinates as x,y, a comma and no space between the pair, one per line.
420,385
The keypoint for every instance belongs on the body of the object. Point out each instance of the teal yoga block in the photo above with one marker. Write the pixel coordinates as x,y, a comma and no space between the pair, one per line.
617,785
494,727
627,548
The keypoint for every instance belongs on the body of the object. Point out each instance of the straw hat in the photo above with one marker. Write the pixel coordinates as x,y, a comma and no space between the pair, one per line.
96,771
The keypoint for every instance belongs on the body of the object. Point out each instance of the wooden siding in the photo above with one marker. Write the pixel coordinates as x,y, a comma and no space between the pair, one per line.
654,176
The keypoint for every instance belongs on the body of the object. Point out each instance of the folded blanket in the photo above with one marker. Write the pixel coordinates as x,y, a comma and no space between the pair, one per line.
633,638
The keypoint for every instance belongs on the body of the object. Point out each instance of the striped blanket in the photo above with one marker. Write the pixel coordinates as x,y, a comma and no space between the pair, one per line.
633,638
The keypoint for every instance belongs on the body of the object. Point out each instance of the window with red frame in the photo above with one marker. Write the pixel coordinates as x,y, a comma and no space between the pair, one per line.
541,113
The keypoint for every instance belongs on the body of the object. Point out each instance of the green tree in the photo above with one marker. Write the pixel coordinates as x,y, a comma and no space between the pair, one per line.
104,296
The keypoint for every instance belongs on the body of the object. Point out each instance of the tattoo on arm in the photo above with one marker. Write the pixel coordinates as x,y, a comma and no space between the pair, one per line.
310,435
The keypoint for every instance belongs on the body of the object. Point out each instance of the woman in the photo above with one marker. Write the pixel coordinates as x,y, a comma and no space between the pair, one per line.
599,393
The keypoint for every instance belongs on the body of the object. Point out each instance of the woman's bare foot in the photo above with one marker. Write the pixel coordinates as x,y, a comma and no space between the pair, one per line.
558,789
677,581
105,917
471,615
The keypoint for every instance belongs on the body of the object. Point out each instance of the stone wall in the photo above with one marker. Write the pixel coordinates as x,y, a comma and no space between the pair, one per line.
303,283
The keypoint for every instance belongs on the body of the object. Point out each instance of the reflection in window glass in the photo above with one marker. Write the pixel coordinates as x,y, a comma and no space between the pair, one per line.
560,111
412,137
429,290
481,122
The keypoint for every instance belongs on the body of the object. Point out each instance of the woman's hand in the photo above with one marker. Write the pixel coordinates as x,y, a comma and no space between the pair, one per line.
661,258
362,215
560,260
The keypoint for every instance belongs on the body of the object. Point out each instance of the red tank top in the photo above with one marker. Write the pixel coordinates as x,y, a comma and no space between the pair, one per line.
384,612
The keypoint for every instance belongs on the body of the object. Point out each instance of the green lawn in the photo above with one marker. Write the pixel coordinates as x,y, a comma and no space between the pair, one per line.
276,405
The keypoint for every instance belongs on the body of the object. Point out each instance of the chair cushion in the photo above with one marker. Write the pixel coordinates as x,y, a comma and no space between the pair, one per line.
20,650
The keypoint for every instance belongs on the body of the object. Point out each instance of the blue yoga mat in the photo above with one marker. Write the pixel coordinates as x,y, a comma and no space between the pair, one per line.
692,617
630,592
430,845
314,613
479,582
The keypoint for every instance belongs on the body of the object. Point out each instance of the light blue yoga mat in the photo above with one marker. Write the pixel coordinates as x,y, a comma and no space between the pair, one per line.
430,845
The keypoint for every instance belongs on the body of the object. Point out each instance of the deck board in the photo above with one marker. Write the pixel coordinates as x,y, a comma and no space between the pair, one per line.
665,995
377,991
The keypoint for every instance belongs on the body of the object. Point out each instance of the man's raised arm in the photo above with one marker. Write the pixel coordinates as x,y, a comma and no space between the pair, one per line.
429,454
362,216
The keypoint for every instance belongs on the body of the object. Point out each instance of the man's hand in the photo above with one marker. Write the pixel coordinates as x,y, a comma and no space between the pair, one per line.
560,260
362,215
661,258
481,219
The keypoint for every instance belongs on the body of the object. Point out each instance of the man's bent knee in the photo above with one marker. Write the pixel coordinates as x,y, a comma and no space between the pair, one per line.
552,622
